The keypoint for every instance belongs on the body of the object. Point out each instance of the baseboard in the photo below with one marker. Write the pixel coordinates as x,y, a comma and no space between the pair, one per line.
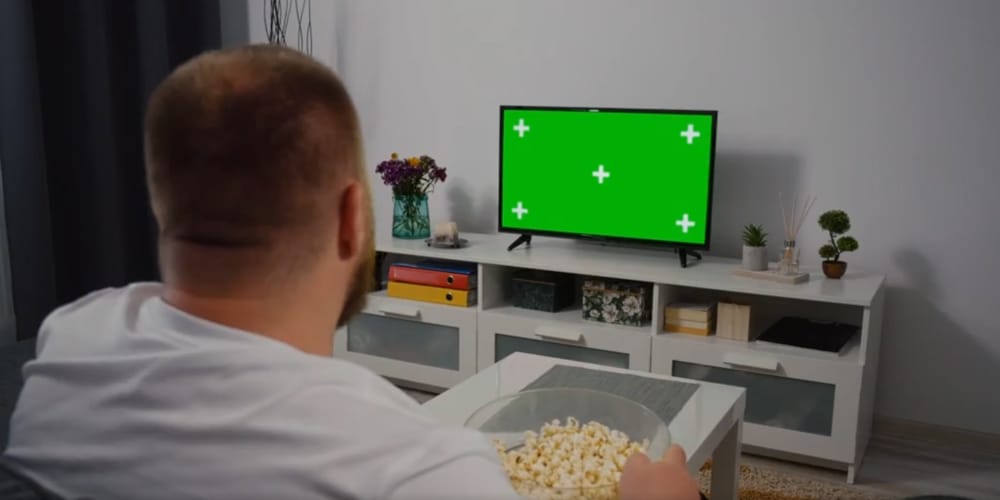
933,433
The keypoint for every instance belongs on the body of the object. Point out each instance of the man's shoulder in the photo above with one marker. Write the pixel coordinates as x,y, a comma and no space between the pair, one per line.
102,310
109,297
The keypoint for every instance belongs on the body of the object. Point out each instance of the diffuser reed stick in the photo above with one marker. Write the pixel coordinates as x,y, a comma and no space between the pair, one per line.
793,217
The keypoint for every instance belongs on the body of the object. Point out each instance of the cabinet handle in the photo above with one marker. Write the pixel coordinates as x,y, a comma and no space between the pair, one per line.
399,310
746,361
549,332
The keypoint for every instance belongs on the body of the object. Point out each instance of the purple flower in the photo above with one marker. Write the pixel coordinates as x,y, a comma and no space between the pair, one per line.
412,176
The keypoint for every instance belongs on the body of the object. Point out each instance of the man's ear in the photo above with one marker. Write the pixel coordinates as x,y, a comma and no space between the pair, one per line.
351,231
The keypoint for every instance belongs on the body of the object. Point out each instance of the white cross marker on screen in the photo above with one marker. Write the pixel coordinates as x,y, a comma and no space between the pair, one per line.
690,134
521,128
601,174
520,211
685,223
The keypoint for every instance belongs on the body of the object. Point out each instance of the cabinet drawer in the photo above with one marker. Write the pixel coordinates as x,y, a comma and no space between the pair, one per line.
425,344
787,403
794,404
417,342
505,345
501,334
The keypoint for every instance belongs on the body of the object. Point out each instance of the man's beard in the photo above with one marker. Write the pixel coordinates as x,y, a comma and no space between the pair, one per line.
362,282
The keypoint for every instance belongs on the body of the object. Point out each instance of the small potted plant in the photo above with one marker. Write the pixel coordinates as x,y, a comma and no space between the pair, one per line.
754,248
836,223
411,179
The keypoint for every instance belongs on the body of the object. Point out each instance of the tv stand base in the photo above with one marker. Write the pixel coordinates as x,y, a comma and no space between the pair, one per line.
524,238
683,254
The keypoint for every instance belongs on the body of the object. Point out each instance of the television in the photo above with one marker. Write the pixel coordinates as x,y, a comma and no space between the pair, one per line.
610,174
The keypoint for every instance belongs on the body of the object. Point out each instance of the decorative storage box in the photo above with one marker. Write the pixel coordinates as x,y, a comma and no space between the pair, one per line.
542,290
733,321
617,302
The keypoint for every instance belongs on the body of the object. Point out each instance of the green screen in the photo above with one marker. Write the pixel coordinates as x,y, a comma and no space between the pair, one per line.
622,174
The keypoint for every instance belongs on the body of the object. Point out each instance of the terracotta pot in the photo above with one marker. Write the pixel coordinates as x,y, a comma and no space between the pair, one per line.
834,270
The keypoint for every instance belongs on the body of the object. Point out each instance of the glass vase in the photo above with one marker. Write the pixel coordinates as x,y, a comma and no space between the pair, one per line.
789,259
410,216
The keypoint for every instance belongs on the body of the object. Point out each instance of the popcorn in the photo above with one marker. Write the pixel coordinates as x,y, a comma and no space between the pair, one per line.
569,461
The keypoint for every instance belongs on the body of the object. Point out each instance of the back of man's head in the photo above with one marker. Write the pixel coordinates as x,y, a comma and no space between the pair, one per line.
247,151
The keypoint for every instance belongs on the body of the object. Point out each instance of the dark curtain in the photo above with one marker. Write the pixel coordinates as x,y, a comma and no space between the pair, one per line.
76,78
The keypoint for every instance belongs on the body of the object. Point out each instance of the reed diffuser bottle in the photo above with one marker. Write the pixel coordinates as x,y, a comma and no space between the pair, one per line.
792,220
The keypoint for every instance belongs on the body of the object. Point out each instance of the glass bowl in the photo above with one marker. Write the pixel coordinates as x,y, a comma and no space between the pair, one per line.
508,418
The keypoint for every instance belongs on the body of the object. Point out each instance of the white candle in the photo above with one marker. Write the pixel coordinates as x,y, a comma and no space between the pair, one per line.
446,232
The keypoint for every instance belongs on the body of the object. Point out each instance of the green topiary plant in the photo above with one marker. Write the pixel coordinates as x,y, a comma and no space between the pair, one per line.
754,236
836,223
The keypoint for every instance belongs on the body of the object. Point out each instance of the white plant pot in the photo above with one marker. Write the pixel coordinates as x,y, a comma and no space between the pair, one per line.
755,258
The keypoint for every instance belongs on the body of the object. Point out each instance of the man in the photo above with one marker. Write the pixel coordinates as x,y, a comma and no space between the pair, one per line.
218,383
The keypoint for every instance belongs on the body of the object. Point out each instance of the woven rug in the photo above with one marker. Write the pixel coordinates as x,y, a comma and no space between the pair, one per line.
761,483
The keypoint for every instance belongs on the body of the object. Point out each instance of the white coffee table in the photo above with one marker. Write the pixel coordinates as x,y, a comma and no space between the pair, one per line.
709,425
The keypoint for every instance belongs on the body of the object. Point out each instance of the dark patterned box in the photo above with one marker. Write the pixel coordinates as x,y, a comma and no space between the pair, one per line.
542,290
617,302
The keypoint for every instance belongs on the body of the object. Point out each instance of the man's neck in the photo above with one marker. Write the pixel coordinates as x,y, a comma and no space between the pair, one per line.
300,323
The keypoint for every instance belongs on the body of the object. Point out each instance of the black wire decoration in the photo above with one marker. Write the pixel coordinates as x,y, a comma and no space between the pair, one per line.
277,13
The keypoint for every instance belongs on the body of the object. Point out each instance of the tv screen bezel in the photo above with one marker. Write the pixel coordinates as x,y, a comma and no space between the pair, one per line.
613,239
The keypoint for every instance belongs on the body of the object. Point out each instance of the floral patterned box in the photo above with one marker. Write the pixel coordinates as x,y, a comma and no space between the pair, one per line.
617,302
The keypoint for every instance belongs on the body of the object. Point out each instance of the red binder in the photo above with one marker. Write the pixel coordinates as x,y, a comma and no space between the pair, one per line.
430,277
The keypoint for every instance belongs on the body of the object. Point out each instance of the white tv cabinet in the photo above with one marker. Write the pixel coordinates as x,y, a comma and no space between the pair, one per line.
801,405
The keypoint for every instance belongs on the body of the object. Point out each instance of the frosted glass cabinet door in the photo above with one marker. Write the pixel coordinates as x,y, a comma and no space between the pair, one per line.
507,344
502,333
405,340
787,403
427,346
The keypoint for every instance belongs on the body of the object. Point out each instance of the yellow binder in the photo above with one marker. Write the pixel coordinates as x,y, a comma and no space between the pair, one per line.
433,294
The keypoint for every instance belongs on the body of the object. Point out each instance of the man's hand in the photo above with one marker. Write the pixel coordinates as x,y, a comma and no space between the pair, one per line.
667,479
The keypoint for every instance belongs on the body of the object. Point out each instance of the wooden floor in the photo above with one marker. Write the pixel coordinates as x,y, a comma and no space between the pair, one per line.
924,459
906,460
902,467
911,466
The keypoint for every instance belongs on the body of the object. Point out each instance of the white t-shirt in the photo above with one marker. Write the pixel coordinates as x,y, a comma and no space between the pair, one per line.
132,398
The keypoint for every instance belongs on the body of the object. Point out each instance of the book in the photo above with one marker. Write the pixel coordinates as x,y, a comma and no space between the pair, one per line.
707,329
434,294
690,311
815,336
432,277
689,323
441,265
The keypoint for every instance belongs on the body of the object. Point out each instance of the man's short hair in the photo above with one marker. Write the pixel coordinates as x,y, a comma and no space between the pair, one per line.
244,148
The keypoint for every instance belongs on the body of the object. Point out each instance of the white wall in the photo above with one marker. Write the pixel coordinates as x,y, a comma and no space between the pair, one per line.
888,109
